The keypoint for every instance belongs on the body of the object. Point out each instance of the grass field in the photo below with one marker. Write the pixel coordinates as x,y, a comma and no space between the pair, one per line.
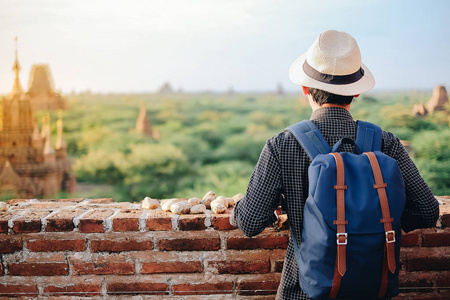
212,141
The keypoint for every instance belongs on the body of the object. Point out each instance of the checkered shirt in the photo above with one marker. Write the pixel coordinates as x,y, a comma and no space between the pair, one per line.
283,169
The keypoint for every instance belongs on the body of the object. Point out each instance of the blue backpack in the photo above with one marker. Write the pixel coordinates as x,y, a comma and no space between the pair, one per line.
350,243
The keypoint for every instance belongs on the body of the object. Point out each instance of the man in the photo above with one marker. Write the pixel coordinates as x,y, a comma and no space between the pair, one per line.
331,75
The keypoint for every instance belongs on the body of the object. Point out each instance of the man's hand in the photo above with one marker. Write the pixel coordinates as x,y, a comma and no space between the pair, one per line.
282,218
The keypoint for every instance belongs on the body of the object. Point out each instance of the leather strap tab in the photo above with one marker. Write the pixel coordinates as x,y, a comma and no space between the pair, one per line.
340,187
336,281
390,234
335,222
380,186
341,236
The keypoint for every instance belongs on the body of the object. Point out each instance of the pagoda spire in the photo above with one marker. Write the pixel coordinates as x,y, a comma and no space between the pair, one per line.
60,143
143,125
17,88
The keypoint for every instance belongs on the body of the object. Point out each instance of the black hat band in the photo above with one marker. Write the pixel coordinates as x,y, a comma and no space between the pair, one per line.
332,79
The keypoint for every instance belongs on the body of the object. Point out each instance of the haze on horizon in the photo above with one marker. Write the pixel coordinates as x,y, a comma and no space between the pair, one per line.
136,46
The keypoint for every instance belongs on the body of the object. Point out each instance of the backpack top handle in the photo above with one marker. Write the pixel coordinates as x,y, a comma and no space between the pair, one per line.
337,146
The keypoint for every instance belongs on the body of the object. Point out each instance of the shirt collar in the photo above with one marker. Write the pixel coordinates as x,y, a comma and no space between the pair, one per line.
335,113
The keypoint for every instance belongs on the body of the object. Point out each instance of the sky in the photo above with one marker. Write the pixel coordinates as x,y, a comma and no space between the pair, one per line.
134,46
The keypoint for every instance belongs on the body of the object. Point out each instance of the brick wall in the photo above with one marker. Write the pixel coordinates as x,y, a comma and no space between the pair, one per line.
76,248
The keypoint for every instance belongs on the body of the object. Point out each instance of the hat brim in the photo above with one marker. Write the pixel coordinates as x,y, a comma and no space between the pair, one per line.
298,76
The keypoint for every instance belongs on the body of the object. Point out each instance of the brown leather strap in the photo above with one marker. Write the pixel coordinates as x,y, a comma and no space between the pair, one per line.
341,236
384,277
380,186
336,281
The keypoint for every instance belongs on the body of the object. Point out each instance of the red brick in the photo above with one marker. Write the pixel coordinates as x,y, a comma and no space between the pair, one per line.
18,289
443,279
127,220
191,222
436,295
10,245
205,288
42,205
159,220
137,287
102,200
411,239
436,238
268,240
16,201
79,290
122,244
241,267
171,267
38,269
74,200
62,221
30,222
93,220
188,241
118,205
4,217
39,257
55,245
428,259
417,279
103,268
258,284
160,256
445,220
277,260
221,222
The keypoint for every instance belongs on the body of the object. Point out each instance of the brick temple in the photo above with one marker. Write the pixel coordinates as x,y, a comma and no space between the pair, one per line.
30,166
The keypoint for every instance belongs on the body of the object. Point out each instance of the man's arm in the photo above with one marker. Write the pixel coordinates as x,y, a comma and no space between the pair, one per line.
421,208
256,210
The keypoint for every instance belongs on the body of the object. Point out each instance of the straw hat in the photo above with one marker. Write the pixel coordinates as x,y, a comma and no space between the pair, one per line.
333,64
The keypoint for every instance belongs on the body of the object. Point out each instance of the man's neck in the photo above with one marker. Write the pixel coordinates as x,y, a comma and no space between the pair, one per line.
315,106
347,107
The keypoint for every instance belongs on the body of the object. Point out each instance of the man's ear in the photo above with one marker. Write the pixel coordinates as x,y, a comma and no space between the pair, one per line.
356,96
305,90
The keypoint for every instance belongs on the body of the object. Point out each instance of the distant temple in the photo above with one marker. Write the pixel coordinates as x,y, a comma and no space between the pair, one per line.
143,125
166,88
41,90
29,165
437,102
280,90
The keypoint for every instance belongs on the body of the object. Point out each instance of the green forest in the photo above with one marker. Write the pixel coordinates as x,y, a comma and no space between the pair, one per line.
212,141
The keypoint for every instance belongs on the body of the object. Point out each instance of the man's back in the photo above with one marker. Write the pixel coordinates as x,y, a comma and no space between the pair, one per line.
283,169
331,75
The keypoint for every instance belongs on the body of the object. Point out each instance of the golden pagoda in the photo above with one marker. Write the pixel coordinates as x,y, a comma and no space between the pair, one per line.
29,165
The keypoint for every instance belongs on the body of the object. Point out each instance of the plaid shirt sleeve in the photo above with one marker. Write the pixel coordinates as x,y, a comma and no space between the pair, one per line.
256,210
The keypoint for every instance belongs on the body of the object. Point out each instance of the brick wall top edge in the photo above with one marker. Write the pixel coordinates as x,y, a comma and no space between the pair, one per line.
65,215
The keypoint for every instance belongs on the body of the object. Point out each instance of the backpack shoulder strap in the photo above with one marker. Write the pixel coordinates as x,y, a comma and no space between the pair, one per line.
368,136
310,138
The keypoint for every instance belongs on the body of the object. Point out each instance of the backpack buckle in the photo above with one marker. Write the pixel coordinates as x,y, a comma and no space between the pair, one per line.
337,238
387,236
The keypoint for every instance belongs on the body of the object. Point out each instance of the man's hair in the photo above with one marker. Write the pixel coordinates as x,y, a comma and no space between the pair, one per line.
322,97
